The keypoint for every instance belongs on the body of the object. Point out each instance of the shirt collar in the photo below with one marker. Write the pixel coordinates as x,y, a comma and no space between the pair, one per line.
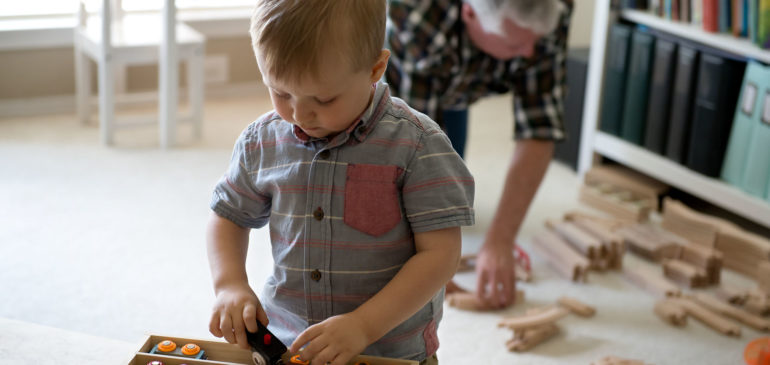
363,124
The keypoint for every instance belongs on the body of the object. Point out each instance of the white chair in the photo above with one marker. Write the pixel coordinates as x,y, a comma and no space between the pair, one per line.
114,38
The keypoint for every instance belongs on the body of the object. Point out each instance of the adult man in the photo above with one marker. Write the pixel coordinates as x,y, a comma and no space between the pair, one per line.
446,54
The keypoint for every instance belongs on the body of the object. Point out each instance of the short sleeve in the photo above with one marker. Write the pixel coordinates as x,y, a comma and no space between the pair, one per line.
438,189
235,196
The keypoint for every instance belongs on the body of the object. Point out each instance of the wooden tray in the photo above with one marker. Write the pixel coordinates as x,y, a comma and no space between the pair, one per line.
223,353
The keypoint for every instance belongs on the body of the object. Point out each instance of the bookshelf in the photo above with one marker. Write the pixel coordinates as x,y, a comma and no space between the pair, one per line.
594,142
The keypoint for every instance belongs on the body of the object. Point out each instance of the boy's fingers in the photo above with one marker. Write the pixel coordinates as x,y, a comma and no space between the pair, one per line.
240,332
303,338
250,317
214,325
262,316
226,326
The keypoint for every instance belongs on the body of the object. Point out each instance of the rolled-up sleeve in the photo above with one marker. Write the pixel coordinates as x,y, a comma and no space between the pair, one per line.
438,189
235,197
540,86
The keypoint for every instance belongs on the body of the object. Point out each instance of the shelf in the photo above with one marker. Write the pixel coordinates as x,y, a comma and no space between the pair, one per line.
726,42
709,189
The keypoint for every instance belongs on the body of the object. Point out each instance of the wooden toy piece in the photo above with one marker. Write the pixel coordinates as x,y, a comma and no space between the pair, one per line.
609,223
731,294
707,259
639,184
757,302
695,227
468,301
548,315
671,312
650,242
683,273
651,281
763,276
738,314
467,263
577,307
609,202
744,252
583,242
561,256
614,360
528,338
709,318
612,242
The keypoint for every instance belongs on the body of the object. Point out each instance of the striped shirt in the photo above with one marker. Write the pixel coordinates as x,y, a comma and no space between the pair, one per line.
342,213
435,66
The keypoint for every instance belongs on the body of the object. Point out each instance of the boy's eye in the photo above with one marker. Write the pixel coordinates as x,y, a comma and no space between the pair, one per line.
326,102
280,95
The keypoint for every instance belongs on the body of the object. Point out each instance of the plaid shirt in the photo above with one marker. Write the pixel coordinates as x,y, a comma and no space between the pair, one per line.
342,213
434,66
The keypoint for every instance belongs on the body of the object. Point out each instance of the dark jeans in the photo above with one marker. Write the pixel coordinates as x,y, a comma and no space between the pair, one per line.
456,128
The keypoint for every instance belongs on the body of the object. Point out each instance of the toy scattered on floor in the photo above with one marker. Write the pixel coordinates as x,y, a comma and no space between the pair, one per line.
538,324
169,348
614,360
757,352
466,300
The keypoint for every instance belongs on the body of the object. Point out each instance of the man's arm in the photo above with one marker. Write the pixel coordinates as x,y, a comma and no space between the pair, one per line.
496,280
339,338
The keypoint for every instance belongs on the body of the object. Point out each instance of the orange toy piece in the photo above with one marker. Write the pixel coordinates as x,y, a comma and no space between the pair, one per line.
757,352
191,349
297,360
167,346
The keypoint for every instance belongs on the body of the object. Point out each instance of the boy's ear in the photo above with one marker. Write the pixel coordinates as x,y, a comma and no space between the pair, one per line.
379,67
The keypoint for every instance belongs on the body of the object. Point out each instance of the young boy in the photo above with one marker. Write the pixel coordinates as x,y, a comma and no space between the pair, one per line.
364,197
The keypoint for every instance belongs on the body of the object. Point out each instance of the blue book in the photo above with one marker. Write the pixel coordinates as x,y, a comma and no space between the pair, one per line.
725,16
753,16
744,122
757,170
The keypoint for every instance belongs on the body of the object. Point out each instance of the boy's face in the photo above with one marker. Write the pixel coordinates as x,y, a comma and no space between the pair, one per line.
514,42
325,105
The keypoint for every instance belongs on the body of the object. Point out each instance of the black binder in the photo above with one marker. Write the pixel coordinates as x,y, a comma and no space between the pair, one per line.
719,84
615,79
658,108
637,87
681,103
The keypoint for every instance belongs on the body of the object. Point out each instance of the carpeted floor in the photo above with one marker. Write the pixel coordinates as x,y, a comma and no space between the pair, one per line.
109,243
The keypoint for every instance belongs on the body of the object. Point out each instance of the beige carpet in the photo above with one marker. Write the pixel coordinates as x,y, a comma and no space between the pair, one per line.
108,243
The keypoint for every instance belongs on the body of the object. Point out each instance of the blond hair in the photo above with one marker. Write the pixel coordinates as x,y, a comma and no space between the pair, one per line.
292,36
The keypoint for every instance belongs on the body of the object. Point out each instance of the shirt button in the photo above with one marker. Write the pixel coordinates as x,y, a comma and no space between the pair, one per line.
324,155
315,275
318,214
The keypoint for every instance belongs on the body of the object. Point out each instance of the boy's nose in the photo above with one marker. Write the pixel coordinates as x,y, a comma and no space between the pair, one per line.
302,112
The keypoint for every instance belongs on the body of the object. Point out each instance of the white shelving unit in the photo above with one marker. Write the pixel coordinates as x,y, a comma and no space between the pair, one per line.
593,141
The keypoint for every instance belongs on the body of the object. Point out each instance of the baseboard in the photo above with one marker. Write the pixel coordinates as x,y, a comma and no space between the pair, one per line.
65,104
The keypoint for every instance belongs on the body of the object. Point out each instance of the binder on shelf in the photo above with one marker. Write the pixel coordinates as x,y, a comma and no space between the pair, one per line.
747,115
725,16
682,103
718,86
659,104
711,15
637,87
615,78
757,170
763,24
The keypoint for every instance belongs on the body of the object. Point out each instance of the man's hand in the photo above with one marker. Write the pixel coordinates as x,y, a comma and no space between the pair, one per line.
334,341
496,275
236,310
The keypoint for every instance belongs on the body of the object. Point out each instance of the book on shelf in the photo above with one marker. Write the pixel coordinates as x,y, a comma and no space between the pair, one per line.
725,16
716,94
757,170
763,24
659,104
680,117
637,87
615,78
711,15
747,118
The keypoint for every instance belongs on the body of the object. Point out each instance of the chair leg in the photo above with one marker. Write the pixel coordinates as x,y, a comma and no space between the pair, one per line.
82,84
106,100
196,90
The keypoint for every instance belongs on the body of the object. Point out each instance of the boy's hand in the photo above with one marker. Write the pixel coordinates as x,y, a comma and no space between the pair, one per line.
334,341
236,309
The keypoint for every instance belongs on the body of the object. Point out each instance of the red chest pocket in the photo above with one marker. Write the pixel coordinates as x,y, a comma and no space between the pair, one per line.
371,198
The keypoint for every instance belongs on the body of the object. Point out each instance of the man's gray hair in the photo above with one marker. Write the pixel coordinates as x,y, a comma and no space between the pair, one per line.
540,16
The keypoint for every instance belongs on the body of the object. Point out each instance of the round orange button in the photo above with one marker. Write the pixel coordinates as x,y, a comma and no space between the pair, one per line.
296,360
166,346
191,349
757,352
